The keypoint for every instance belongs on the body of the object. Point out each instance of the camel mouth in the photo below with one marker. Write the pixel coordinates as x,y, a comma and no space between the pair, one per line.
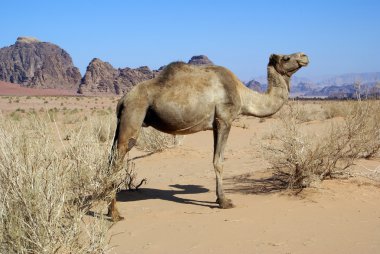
303,63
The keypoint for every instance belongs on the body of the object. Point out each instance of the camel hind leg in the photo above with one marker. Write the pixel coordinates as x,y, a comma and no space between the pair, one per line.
130,120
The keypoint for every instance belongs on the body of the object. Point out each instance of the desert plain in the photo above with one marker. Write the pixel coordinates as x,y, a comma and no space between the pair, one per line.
175,210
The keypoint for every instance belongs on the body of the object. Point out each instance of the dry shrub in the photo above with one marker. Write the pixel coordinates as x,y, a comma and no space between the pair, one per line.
48,186
303,115
130,180
152,140
103,127
306,158
306,111
336,109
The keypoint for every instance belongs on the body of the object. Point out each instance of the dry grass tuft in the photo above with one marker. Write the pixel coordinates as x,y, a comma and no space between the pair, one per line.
48,185
152,140
336,108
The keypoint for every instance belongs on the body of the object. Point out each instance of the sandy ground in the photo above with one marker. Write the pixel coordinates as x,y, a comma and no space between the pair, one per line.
175,211
11,89
27,104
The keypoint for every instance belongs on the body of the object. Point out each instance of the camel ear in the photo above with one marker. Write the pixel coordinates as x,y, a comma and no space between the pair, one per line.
273,59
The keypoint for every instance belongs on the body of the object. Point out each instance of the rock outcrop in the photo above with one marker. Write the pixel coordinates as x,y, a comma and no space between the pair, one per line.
254,85
101,77
128,77
32,63
200,60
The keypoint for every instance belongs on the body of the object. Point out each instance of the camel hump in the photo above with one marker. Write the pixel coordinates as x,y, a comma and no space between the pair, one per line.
172,69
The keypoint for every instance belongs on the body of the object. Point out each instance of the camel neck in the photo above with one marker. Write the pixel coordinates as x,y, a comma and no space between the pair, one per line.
266,104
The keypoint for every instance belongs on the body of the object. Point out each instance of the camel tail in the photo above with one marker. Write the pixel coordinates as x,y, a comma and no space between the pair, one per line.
131,111
113,152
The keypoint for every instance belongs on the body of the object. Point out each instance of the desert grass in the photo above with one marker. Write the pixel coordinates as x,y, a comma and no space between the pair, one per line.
306,158
54,172
153,141
48,185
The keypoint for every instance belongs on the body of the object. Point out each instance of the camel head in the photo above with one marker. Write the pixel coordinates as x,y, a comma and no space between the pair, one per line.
288,64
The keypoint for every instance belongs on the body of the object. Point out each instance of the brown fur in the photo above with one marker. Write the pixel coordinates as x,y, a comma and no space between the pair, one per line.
185,99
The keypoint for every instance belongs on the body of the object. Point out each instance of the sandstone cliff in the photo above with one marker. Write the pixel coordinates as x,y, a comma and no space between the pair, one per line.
32,63
101,77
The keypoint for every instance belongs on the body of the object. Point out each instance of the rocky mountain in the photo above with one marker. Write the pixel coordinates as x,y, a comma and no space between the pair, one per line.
302,87
254,85
351,78
346,91
99,77
102,77
32,63
200,60
128,77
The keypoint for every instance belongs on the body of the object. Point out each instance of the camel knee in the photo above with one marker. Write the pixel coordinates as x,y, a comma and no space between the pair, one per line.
125,146
121,148
218,167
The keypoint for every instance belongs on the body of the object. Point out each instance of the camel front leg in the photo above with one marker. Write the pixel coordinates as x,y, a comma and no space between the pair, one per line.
221,130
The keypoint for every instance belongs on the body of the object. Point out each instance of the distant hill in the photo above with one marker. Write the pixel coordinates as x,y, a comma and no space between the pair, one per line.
254,85
102,77
32,63
346,91
200,60
351,78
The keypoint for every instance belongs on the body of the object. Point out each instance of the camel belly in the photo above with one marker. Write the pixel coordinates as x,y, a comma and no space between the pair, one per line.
178,120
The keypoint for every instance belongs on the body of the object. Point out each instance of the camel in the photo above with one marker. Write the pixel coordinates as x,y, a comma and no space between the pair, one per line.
185,99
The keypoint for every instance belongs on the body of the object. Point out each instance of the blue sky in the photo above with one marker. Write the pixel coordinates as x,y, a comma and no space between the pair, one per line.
339,36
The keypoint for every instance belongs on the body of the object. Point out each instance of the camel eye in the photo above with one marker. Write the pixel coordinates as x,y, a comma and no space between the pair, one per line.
286,58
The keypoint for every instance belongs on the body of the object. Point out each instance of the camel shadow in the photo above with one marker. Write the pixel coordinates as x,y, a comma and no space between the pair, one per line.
247,184
168,195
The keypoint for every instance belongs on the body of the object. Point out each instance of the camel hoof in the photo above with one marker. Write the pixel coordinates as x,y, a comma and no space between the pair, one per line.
225,203
115,216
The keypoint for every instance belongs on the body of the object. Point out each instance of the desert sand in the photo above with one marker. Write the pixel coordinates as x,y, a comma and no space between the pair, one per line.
175,212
